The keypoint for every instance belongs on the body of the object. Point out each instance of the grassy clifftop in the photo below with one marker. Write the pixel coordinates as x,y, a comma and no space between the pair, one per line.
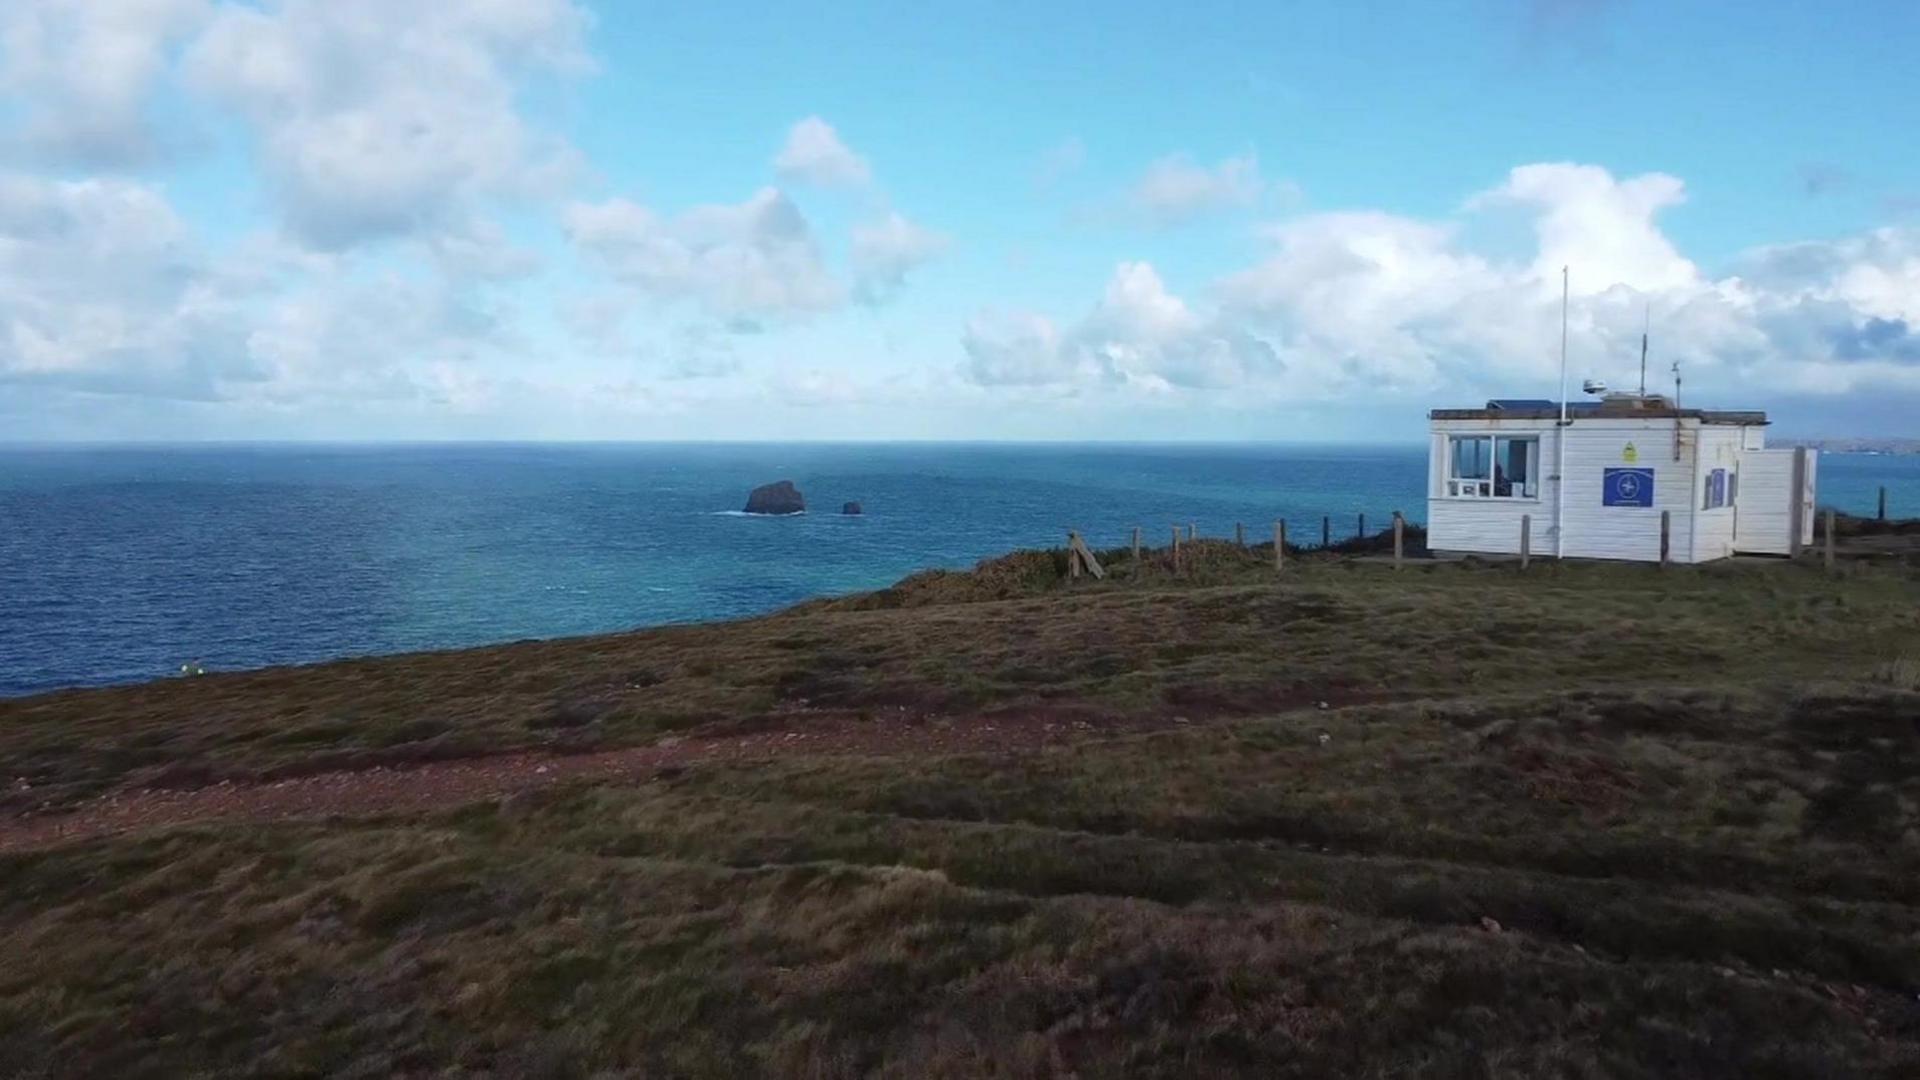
1451,819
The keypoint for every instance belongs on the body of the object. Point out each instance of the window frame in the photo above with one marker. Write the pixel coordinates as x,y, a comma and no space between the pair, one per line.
1728,489
1481,489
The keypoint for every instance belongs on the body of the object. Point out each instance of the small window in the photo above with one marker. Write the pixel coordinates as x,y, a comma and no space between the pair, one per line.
1721,486
1513,467
1493,466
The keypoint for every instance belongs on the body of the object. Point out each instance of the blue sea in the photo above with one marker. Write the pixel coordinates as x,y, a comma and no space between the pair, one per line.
119,564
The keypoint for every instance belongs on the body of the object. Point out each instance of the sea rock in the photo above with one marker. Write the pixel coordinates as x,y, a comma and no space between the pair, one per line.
851,509
776,498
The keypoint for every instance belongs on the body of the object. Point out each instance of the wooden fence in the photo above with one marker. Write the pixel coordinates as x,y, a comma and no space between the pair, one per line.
1082,560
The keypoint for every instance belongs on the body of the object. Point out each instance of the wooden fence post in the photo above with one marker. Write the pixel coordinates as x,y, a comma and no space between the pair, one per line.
1362,534
1526,540
1829,544
1399,544
1136,544
1326,531
1239,535
1080,558
1883,502
1666,536
1193,531
1797,524
1175,549
1280,544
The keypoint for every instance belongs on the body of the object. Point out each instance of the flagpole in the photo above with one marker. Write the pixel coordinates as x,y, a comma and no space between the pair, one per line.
1560,436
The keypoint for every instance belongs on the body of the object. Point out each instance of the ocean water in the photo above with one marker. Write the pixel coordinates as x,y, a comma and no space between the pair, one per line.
119,564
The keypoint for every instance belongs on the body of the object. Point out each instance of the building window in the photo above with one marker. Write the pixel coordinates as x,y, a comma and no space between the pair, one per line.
1493,467
1723,486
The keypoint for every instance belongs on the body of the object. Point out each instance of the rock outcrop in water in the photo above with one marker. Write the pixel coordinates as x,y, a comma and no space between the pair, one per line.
852,509
780,497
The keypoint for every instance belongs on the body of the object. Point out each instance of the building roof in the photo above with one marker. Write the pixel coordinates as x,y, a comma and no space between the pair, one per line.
1649,408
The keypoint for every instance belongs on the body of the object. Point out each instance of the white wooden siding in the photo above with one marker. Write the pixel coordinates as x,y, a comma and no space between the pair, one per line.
1766,502
1807,502
1487,526
1765,514
1713,530
1597,531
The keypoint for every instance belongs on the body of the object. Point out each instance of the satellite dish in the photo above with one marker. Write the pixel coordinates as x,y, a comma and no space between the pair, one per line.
1594,386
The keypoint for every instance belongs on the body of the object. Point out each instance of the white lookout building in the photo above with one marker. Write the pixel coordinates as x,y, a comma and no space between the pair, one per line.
1627,459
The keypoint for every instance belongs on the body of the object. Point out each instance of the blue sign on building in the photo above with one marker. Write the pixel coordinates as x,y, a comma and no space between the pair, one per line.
1627,487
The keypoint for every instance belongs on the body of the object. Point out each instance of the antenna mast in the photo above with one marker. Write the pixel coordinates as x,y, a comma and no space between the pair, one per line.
1643,349
1563,346
1676,411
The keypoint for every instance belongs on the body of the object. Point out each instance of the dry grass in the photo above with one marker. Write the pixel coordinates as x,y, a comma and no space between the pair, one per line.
1902,673
1589,821
1236,900
1228,639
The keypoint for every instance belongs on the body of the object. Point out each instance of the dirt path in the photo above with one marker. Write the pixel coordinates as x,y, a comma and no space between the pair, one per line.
444,784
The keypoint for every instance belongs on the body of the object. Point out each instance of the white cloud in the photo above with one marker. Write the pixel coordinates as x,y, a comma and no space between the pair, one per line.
884,251
101,289
599,324
1146,335
384,337
1018,349
374,119
1176,189
1138,307
751,260
1374,300
1876,273
479,250
597,321
814,154
104,290
1360,304
815,387
83,72
1606,226
701,351
1351,294
1139,335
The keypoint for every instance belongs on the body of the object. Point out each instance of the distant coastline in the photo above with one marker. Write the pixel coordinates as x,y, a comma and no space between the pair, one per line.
1857,446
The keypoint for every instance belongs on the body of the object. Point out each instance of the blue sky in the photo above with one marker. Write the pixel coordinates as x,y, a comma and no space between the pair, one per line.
549,219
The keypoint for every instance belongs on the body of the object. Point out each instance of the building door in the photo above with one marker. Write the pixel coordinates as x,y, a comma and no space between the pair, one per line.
1769,508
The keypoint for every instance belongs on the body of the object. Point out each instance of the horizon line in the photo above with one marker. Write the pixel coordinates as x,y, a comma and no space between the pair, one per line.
7,443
